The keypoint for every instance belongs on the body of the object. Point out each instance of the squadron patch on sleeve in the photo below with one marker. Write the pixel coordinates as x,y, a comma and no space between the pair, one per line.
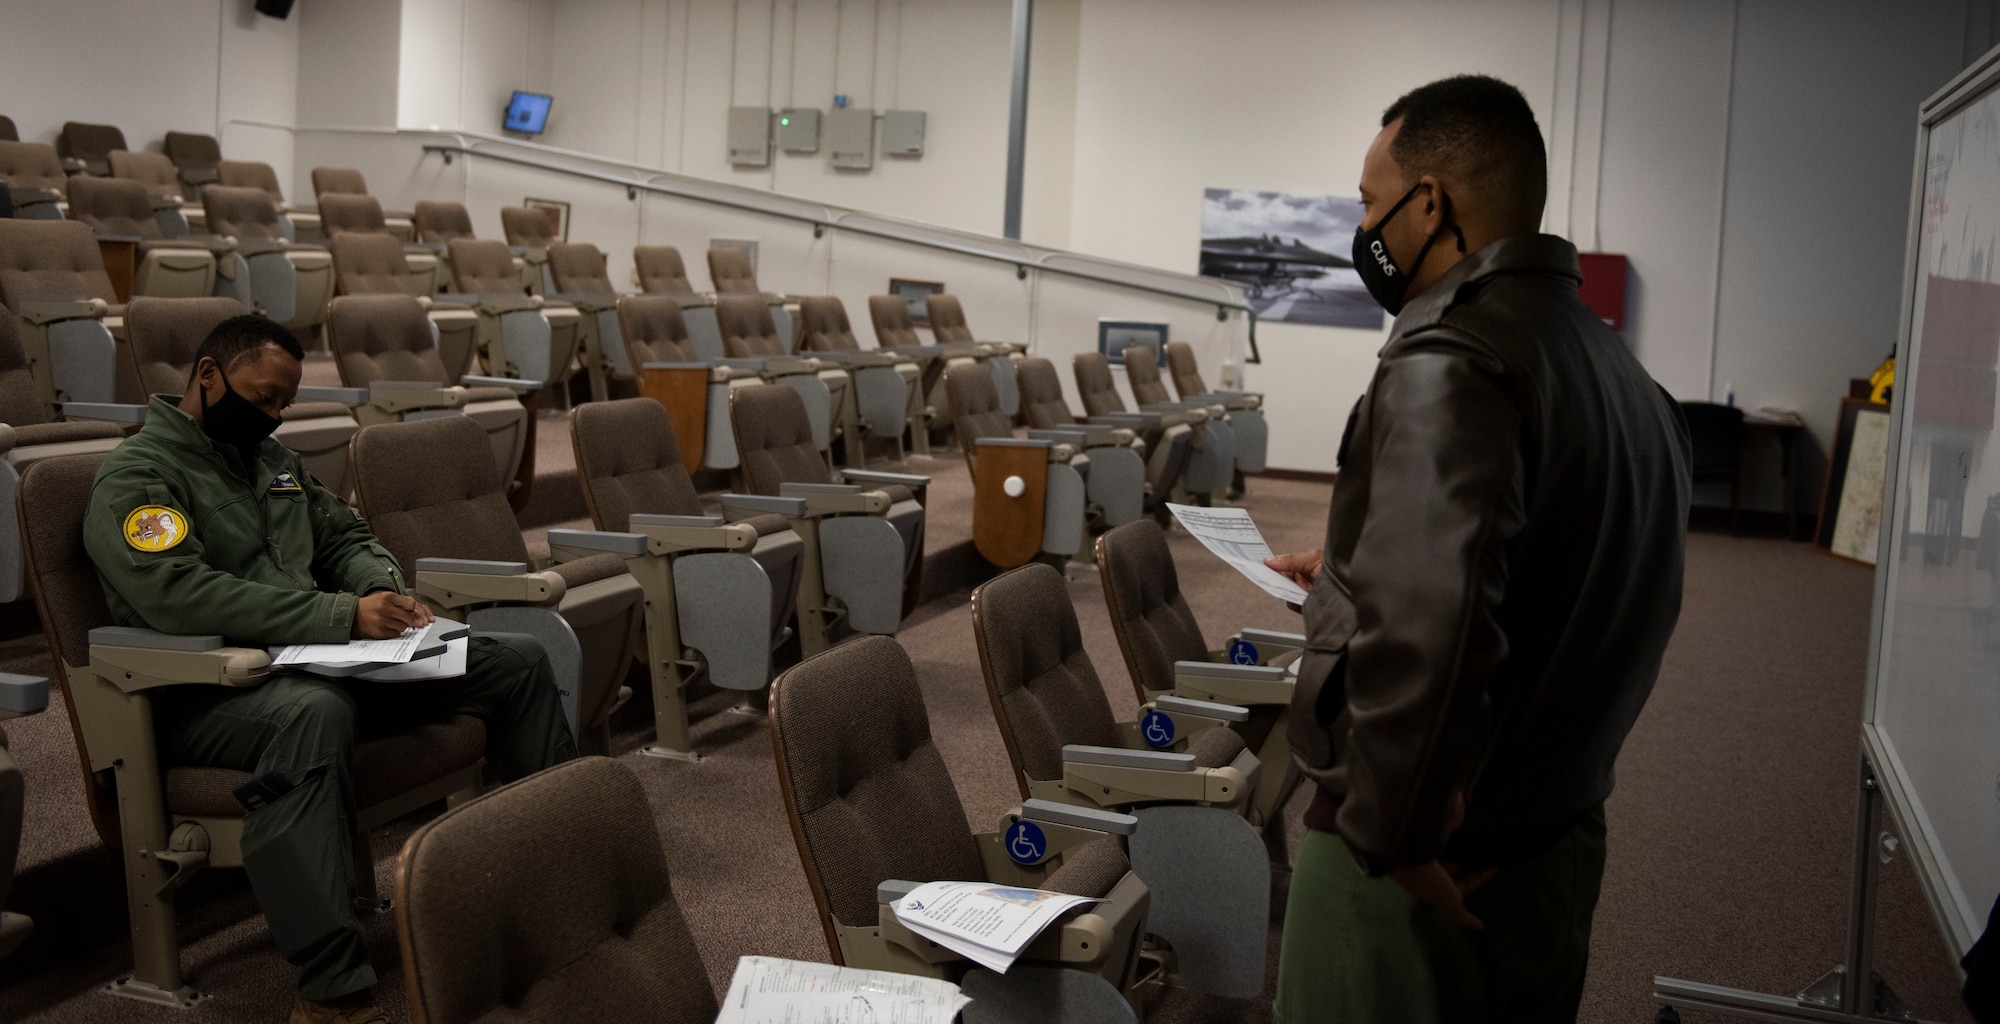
155,528
284,483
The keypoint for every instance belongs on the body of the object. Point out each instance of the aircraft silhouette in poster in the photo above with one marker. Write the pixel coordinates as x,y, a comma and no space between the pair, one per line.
1266,264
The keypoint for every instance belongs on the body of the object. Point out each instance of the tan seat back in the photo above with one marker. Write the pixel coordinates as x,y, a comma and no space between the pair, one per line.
526,226
20,400
113,207
1044,690
729,270
579,269
1154,625
774,438
654,330
975,406
51,261
947,319
152,170
162,338
52,498
241,211
250,174
661,270
893,326
342,213
431,489
196,157
1096,386
1042,395
1143,374
383,337
867,793
747,328
32,165
824,326
630,462
338,181
1182,367
547,900
368,264
441,222
483,266
90,143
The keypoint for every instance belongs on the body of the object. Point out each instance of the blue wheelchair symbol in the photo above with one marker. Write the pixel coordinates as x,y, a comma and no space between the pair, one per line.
1026,843
1242,652
1158,729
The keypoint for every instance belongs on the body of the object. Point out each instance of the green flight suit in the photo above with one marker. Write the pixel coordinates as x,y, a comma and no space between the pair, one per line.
187,539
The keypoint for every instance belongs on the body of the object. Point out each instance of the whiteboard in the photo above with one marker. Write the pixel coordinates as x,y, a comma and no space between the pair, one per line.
1932,719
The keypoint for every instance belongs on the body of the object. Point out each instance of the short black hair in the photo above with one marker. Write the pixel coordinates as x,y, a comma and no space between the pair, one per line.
239,335
1480,131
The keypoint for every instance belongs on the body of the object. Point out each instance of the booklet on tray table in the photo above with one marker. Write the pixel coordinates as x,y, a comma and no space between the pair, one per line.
433,652
770,990
986,923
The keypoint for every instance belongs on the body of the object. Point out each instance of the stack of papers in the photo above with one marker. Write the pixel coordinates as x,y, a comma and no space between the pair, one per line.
768,990
986,923
436,651
1229,533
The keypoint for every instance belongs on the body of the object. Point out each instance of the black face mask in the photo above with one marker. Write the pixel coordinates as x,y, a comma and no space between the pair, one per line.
233,421
1386,282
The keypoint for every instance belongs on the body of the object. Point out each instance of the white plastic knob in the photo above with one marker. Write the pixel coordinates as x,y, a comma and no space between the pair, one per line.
1015,487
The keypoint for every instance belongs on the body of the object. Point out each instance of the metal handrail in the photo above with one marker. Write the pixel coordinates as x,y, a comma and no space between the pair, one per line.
822,224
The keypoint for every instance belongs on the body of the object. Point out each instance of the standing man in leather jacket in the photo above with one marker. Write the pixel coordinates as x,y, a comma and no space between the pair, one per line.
1501,575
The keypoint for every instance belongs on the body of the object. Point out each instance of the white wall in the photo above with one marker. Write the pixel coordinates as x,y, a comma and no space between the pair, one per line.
180,65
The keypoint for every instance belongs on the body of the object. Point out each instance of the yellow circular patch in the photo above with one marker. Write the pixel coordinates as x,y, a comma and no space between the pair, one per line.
155,528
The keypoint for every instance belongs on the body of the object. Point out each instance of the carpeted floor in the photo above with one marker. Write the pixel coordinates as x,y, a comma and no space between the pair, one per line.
1730,830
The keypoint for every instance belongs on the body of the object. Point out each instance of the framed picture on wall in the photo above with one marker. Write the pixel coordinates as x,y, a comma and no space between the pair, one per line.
556,211
1115,336
1850,508
914,294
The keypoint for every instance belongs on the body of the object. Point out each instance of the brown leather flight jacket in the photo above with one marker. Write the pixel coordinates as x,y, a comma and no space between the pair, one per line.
1503,570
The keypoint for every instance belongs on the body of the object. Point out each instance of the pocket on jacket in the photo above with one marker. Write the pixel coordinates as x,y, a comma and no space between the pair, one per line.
1321,691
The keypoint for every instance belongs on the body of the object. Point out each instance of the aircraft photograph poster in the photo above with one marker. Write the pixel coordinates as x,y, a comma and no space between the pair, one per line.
1290,255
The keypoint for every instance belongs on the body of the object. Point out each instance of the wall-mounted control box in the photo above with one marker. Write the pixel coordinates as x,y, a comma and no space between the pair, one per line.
750,136
902,133
798,130
850,135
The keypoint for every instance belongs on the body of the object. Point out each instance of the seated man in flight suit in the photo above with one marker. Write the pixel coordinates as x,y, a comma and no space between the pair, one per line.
200,523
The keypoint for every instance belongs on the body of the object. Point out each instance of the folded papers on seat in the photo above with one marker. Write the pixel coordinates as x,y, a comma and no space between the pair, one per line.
770,990
986,923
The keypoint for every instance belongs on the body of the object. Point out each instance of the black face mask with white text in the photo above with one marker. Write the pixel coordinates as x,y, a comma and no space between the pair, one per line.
1385,281
232,420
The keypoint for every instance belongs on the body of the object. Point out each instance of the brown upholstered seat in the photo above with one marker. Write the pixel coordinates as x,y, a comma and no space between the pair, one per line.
51,261
152,170
383,337
893,326
629,461
1144,377
774,439
661,270
947,319
654,330
370,264
1044,690
975,405
730,273
33,172
114,207
748,331
1095,385
442,222
120,208
579,269
823,325
250,174
195,157
1042,400
338,181
483,266
242,212
163,337
547,901
91,144
1154,625
1182,367
526,226
341,213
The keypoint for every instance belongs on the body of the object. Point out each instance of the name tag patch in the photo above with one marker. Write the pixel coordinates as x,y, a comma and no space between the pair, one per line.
155,528
284,483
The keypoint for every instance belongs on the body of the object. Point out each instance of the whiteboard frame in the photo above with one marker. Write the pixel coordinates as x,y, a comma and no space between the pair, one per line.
1898,792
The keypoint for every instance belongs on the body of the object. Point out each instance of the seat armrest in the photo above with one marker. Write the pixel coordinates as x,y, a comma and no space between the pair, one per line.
1154,760
1173,705
1014,442
395,396
913,481
250,247
568,544
453,583
668,535
518,386
7,438
836,499
1272,636
1061,435
786,366
590,301
890,890
39,313
22,695
1049,812
164,202
345,396
1189,413
761,504
135,659
126,239
1243,685
114,412
716,374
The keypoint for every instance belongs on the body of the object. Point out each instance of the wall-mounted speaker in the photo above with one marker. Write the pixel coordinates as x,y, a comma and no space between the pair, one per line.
279,9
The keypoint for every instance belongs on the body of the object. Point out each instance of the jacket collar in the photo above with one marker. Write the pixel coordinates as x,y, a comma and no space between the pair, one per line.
166,421
1547,254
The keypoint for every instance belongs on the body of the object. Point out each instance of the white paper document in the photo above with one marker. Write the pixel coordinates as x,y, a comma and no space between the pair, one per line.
1235,539
988,924
768,990
393,651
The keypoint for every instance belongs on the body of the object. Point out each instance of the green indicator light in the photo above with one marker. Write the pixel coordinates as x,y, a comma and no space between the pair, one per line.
784,120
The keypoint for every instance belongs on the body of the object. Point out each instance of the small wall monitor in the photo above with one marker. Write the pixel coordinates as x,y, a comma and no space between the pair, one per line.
1115,336
528,112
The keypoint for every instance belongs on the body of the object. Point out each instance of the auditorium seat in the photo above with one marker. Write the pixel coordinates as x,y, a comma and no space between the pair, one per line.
751,340
1043,403
1201,477
52,280
196,158
522,336
720,595
437,501
34,176
86,148
1242,410
547,901
122,215
376,264
1029,496
347,213
438,224
577,270
529,235
346,181
884,398
163,187
1214,463
33,428
298,223
948,327
290,282
730,273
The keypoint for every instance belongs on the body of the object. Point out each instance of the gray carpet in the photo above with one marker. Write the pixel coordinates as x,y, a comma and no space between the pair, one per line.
1729,844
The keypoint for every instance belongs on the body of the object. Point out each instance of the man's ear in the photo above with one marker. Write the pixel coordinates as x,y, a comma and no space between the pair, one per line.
1436,205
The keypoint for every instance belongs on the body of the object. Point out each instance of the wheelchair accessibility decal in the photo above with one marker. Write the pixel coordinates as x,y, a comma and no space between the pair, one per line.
1242,652
1158,729
1026,843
